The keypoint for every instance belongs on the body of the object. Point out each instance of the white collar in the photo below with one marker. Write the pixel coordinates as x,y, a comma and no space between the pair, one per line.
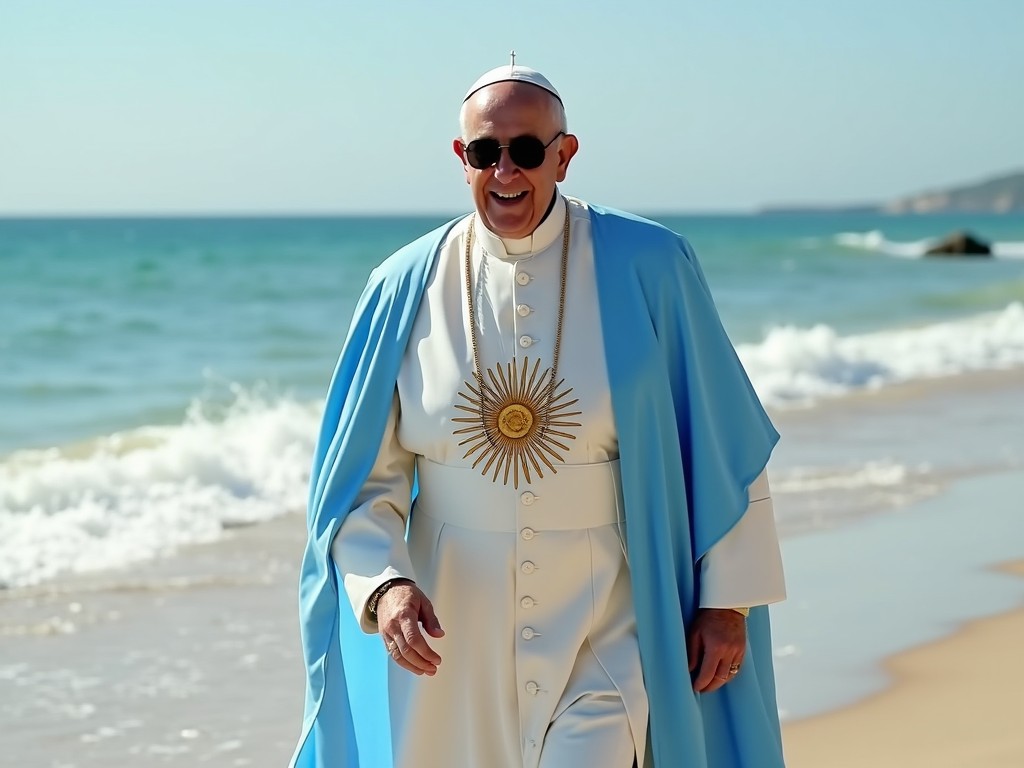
517,248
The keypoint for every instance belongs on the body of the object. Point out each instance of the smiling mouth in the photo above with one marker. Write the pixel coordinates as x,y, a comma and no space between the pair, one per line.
508,197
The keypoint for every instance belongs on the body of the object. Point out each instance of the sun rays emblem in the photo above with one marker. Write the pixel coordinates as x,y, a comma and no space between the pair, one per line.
517,421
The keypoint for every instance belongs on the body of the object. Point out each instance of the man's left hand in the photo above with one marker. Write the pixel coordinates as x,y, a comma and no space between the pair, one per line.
716,645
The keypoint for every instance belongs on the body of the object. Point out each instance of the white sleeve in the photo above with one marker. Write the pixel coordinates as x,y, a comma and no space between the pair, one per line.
744,568
370,546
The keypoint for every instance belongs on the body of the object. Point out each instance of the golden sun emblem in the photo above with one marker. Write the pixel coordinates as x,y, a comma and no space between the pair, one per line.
518,421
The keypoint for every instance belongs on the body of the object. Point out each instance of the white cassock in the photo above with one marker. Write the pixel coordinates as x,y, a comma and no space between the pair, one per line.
540,663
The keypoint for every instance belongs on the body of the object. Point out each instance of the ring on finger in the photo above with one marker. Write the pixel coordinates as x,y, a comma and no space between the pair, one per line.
734,669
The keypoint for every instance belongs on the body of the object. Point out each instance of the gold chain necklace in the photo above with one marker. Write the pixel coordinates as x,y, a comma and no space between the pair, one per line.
517,416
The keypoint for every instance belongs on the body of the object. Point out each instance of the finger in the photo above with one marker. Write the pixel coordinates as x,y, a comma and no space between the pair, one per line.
693,649
407,658
429,620
416,650
412,661
708,670
393,646
722,676
418,643
737,663
396,656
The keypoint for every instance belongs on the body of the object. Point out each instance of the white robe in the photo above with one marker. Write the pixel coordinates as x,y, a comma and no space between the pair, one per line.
530,584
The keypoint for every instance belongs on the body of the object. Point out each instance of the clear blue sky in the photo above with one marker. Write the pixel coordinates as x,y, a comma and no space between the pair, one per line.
315,106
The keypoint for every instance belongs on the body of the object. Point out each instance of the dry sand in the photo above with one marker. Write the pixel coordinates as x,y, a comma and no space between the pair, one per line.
954,703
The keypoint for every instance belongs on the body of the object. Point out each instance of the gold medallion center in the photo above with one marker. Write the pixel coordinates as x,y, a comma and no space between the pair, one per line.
518,421
515,420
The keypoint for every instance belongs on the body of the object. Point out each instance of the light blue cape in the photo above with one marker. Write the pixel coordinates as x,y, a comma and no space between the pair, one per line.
692,437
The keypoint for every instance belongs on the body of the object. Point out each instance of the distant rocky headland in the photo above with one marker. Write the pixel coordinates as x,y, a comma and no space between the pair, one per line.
1003,194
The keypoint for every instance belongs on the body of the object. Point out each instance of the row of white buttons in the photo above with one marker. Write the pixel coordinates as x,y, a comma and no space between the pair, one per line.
527,498
523,278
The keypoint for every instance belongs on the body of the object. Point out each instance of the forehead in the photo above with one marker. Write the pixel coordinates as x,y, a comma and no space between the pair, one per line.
505,110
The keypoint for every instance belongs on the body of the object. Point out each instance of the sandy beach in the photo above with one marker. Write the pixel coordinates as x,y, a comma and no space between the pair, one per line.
954,703
913,660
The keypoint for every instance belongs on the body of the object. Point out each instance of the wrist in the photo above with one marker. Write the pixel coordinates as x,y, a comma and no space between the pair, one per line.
379,592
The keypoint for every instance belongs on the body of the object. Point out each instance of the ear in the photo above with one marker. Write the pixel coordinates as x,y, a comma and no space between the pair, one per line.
568,147
461,154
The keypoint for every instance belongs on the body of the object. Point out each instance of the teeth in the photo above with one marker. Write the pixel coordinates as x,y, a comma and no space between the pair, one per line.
509,195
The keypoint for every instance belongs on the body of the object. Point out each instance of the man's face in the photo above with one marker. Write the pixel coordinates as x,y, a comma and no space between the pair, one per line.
511,201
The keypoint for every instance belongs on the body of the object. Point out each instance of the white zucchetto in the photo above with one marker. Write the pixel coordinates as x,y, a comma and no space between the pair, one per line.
515,73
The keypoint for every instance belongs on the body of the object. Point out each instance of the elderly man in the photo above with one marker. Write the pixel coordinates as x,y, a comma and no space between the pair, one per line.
539,438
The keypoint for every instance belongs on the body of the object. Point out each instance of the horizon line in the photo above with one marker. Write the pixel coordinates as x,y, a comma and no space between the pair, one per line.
255,215
299,214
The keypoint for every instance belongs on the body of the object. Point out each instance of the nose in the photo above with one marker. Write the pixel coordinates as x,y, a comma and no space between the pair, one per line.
505,169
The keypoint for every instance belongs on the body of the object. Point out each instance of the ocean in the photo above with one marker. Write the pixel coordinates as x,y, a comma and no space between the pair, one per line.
161,379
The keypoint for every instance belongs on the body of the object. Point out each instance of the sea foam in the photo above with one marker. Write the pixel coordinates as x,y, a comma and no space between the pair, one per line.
797,366
135,495
876,241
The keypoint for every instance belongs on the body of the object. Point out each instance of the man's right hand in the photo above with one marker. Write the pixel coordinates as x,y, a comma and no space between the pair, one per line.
400,612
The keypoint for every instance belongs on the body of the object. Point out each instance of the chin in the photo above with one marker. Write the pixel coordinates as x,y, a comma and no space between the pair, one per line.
509,227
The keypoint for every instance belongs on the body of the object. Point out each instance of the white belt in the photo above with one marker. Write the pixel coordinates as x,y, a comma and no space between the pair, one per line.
578,496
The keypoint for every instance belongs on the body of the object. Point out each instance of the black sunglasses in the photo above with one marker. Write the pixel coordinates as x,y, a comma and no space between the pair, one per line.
525,151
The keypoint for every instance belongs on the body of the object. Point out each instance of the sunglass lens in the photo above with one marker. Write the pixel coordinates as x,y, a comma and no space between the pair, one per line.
483,153
526,151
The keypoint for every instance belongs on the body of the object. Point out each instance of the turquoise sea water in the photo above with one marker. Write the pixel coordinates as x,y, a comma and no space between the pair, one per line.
161,378
115,323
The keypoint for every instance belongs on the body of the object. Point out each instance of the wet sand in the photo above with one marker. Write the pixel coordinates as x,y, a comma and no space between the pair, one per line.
189,661
954,703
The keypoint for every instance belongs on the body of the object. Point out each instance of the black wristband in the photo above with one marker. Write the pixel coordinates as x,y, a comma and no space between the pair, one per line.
371,604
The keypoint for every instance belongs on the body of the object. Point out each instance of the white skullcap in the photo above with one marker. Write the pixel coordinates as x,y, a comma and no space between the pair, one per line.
513,72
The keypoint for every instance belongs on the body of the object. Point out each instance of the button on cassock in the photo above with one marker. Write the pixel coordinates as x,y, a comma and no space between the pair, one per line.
527,602
532,688
527,533
523,310
525,341
528,633
523,278
528,498
528,567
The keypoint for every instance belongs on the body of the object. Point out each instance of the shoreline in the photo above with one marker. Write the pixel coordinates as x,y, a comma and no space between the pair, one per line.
193,659
863,592
875,453
952,702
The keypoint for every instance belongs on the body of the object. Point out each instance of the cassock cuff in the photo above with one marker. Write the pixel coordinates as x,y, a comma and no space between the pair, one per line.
359,590
744,568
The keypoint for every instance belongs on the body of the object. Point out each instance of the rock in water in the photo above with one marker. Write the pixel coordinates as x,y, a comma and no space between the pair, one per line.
960,244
